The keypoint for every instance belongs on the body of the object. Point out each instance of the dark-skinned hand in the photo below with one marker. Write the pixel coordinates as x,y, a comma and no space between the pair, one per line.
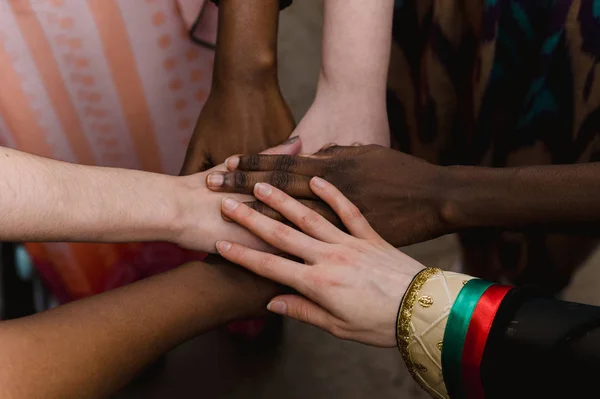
400,195
244,120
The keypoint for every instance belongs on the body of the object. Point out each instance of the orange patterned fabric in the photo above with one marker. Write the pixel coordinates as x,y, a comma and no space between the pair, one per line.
110,83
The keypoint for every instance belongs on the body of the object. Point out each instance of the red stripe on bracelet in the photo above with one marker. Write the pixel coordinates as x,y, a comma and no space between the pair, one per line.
477,335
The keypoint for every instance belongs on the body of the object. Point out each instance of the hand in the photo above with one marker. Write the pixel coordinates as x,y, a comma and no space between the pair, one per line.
403,197
352,284
240,119
344,119
198,221
252,292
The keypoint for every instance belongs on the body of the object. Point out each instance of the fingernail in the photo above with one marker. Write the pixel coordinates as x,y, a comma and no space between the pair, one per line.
277,307
223,246
318,182
232,162
262,189
229,204
291,140
215,180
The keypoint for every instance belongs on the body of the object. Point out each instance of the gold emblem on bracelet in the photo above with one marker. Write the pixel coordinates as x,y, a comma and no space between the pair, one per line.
426,301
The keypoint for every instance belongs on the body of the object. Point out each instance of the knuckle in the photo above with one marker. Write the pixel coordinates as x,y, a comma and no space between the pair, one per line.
351,212
249,162
244,213
280,179
284,162
310,220
240,179
267,263
281,233
303,313
323,282
235,180
337,257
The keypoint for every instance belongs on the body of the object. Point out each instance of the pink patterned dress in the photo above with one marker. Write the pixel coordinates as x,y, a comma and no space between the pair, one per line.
111,83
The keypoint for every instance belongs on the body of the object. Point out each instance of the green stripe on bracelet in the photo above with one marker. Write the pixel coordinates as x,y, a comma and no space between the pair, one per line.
456,332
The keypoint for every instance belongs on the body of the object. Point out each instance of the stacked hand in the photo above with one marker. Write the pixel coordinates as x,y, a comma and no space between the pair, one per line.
337,116
238,120
351,285
402,197
198,220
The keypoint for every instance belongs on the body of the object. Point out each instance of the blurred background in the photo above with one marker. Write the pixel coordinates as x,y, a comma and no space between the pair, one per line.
304,362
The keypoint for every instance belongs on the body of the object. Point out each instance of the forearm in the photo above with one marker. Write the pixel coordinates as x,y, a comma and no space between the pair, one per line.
561,198
91,348
47,200
356,47
247,42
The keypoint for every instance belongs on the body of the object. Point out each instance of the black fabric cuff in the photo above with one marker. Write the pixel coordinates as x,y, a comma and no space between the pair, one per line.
282,3
541,347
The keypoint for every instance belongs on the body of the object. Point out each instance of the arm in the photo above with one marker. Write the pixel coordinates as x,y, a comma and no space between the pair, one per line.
47,200
350,103
562,198
245,112
459,336
92,347
408,200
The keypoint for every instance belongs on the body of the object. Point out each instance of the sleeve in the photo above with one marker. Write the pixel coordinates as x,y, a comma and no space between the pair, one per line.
542,347
282,3
463,337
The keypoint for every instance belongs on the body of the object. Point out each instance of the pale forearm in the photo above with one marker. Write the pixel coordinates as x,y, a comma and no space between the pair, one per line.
357,38
47,200
91,348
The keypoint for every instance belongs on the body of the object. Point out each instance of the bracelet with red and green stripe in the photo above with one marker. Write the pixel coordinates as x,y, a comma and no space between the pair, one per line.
465,337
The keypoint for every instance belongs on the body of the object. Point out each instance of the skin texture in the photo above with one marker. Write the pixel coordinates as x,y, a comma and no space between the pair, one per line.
92,347
245,112
48,200
351,284
350,104
408,200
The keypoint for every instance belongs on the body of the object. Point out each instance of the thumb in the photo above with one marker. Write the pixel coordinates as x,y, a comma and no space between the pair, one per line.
299,308
291,146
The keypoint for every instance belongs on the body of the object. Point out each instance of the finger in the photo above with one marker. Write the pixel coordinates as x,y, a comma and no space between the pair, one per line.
275,233
350,215
346,151
303,165
314,165
270,266
297,186
291,146
317,206
304,310
307,220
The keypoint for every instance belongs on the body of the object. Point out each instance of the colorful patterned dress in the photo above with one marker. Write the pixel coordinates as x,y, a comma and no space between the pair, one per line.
500,83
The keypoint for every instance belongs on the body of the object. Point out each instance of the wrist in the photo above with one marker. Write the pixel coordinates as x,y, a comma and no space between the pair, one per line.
247,42
179,193
473,197
255,68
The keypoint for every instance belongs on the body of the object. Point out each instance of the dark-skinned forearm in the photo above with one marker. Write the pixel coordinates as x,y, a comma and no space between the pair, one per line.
561,198
90,348
247,42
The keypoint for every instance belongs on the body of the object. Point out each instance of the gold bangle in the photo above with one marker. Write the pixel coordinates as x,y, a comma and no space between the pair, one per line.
420,329
405,314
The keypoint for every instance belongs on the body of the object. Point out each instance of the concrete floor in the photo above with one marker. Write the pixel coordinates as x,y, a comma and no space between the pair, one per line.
307,363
